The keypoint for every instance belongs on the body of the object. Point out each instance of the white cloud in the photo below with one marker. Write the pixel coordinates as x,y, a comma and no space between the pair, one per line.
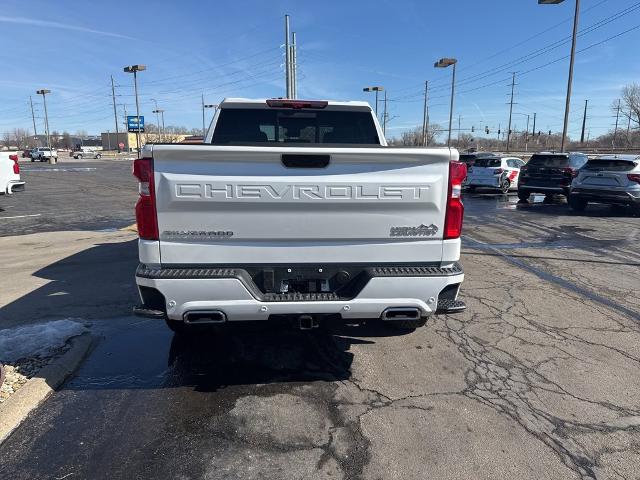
62,26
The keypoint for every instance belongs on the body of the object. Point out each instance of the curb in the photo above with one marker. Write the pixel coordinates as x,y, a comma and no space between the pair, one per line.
17,407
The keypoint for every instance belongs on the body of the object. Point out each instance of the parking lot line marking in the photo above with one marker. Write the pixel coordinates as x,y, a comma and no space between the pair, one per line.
20,216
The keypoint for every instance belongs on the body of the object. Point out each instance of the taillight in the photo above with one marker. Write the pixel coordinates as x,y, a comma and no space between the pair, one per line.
455,209
634,177
16,167
296,104
571,171
146,205
498,171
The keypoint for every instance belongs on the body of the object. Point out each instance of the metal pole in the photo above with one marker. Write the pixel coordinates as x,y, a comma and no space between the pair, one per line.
513,83
46,126
453,90
534,125
377,104
115,113
157,120
459,123
135,87
615,132
204,133
425,140
384,119
162,114
526,136
109,140
584,121
33,117
287,36
294,66
570,80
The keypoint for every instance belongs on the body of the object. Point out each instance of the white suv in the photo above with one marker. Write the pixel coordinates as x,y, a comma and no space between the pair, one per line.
494,172
610,179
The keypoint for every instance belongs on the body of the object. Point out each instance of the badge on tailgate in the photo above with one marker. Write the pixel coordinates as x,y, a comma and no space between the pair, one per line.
421,231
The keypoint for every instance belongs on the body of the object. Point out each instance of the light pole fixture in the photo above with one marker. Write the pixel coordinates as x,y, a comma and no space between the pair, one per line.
135,69
161,112
567,106
44,93
444,63
374,89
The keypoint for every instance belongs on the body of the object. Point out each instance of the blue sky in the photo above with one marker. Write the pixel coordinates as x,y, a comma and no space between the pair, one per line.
232,48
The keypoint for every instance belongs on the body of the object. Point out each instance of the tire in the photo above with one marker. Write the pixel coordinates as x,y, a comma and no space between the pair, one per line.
577,204
98,156
505,185
79,157
524,195
32,159
408,324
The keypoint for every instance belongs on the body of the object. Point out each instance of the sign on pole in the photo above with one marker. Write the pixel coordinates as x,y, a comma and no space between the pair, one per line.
132,124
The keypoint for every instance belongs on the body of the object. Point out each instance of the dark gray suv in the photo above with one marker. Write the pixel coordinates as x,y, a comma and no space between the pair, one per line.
550,173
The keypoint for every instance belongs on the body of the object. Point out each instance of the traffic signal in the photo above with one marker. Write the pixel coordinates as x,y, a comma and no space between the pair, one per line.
473,129
486,129
539,132
499,132
549,132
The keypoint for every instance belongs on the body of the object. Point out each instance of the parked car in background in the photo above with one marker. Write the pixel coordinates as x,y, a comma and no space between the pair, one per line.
494,172
470,158
43,154
610,179
550,173
26,153
10,174
86,154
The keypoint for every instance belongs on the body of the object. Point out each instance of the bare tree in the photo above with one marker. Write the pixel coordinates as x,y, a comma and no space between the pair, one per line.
413,137
21,137
631,102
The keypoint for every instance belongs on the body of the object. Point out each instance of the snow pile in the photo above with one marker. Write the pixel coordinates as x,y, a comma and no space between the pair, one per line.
37,340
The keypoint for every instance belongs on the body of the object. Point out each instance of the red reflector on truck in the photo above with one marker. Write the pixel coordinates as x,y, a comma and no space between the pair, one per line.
455,209
283,103
146,218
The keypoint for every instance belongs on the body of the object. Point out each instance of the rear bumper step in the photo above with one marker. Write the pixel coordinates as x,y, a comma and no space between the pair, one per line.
448,306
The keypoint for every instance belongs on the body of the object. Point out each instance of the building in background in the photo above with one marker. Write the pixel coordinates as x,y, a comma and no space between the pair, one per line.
110,140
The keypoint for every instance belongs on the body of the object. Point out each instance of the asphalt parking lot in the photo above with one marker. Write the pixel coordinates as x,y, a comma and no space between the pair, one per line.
537,379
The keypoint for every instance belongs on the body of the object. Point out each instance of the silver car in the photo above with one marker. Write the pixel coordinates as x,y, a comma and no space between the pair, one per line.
610,179
86,154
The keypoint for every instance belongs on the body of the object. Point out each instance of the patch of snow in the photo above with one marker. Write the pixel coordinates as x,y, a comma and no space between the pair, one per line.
37,340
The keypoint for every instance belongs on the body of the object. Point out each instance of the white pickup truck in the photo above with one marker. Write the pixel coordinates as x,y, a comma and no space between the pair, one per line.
297,210
10,174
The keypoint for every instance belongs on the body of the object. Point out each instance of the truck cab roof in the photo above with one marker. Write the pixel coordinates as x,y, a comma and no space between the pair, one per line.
237,102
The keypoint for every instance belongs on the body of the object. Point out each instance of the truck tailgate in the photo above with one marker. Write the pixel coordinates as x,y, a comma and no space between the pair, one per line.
224,205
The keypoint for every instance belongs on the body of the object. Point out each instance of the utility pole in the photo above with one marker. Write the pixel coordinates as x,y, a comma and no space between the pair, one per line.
570,80
115,113
615,131
526,136
584,121
513,84
294,66
35,131
459,122
287,51
534,126
425,116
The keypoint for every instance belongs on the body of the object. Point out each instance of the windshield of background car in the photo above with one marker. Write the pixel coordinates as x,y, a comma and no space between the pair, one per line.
612,165
246,126
488,162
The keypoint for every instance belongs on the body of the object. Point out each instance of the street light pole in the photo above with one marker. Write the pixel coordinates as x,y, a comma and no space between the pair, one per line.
157,112
567,105
160,111
374,89
44,92
135,69
444,63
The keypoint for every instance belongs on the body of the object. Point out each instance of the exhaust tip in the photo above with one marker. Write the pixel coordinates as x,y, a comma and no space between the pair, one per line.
204,317
401,313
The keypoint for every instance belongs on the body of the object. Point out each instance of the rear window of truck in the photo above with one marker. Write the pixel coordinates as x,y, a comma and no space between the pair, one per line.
250,126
